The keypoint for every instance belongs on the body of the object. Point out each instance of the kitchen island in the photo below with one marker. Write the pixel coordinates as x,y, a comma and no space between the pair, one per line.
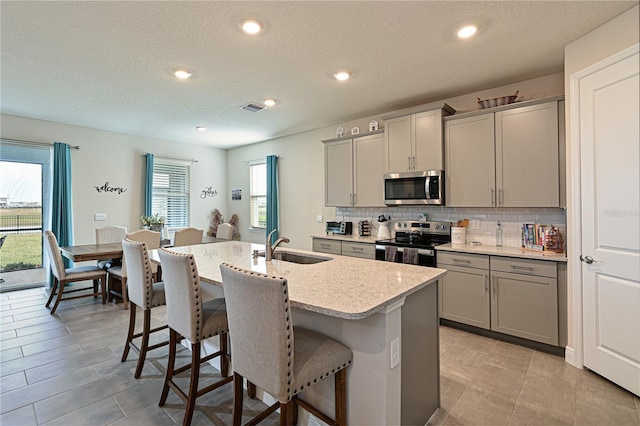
386,313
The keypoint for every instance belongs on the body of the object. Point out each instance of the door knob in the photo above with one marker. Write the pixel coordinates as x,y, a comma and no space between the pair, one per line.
587,259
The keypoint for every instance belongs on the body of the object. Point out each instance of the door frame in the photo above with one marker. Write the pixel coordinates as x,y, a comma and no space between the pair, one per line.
575,355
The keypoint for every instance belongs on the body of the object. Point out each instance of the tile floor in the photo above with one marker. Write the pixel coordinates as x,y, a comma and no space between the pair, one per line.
65,369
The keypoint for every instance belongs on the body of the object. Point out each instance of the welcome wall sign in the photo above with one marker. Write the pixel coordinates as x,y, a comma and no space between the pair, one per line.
208,191
107,188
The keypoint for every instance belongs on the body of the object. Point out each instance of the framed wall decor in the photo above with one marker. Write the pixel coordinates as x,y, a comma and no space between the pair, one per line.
339,132
355,130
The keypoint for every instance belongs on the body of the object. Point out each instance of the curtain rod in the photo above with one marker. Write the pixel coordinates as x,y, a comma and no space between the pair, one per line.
259,160
193,160
36,143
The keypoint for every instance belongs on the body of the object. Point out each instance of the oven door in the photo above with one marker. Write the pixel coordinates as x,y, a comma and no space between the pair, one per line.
426,257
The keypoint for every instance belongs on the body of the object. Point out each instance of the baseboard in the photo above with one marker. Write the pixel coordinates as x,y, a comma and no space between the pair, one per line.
570,356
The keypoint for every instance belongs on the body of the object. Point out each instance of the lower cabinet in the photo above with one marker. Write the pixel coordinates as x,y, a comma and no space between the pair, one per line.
513,296
345,248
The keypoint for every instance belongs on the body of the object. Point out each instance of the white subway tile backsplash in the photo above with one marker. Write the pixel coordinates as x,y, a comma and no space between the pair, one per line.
510,218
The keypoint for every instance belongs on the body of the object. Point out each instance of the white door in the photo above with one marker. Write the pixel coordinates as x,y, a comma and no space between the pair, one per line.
610,191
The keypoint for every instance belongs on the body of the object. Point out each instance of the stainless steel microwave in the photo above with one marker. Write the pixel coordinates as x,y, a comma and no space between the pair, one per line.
415,188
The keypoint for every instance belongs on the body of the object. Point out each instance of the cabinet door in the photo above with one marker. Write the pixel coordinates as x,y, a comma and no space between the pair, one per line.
527,156
470,171
368,171
525,306
465,296
428,149
338,176
397,144
363,250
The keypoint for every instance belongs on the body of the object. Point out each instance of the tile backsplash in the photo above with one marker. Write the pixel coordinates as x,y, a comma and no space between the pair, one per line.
511,219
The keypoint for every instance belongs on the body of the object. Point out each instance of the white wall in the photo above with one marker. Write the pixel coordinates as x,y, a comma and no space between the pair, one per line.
610,38
301,166
119,159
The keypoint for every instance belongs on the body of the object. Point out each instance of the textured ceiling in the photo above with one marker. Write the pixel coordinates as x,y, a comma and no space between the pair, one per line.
108,64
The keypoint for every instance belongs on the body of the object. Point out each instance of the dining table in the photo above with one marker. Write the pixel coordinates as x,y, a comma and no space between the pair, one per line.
85,252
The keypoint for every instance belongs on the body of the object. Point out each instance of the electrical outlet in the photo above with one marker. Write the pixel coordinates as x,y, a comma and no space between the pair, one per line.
319,218
395,352
474,224
100,217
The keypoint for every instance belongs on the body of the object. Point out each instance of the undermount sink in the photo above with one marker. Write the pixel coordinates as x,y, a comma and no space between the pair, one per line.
303,259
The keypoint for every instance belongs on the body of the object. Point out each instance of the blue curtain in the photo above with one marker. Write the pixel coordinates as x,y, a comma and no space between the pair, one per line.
148,186
62,214
272,196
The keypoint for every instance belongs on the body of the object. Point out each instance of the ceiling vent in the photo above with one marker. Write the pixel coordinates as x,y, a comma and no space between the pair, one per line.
253,107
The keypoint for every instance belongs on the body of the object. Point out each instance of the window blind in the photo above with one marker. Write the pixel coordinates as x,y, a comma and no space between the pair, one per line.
258,195
171,192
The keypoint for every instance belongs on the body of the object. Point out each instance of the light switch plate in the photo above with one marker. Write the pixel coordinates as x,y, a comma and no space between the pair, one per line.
319,218
395,352
100,216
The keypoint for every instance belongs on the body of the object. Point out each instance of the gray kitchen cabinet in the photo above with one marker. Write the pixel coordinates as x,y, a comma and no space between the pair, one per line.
354,170
414,142
524,299
345,248
506,158
326,245
513,296
464,291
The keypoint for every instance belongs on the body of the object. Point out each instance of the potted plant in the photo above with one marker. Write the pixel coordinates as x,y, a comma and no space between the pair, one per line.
154,222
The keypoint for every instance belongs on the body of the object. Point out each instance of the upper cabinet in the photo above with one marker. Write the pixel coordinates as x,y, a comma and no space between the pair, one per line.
413,141
354,170
506,158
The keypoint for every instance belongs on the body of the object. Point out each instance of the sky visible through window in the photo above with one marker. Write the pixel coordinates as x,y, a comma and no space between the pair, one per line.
21,182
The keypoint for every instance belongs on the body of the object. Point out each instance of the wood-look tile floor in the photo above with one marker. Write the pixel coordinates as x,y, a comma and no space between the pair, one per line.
65,369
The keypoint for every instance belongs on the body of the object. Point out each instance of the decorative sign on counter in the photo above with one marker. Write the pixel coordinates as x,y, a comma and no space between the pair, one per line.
107,188
339,132
208,192
373,126
355,130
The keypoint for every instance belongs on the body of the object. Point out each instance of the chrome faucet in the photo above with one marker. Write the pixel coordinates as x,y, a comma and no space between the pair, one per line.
270,248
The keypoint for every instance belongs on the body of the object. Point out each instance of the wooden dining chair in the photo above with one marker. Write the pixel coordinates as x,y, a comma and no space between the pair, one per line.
196,320
274,355
145,294
118,274
187,237
63,276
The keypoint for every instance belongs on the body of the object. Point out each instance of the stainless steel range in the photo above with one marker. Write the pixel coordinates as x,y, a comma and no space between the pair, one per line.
414,242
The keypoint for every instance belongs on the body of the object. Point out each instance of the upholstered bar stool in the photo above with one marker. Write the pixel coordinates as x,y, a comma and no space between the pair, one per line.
187,237
62,276
275,356
143,293
195,320
118,274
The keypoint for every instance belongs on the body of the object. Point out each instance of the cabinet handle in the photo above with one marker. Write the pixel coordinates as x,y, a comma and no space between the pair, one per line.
413,163
500,197
355,198
495,286
460,260
493,197
409,163
522,268
357,248
486,284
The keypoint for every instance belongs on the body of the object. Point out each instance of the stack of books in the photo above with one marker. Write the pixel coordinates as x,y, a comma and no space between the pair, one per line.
539,237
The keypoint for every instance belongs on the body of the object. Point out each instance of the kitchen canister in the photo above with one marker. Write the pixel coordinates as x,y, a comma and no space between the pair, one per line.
458,235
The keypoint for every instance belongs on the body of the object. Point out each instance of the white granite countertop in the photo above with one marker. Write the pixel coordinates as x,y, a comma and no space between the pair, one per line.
343,287
353,238
504,251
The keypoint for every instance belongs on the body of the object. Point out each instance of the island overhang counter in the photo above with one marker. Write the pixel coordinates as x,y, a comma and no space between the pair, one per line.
387,313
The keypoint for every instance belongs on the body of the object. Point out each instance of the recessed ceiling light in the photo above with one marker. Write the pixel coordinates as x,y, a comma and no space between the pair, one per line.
467,31
342,75
201,128
182,74
269,102
251,26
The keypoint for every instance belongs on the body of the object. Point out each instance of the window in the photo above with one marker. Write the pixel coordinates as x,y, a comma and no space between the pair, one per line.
258,195
171,192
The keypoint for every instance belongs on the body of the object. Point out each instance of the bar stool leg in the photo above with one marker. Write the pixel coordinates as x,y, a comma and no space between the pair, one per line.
171,362
144,345
193,385
238,392
132,327
341,397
